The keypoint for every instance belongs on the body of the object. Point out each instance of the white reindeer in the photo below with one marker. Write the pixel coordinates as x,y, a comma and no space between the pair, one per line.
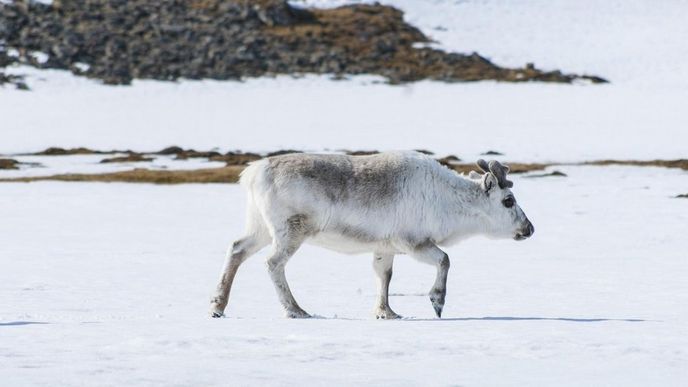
387,204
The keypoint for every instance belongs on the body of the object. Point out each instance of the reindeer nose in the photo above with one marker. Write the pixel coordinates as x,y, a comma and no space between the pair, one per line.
530,230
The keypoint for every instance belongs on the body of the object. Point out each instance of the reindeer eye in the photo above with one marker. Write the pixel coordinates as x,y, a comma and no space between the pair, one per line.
508,202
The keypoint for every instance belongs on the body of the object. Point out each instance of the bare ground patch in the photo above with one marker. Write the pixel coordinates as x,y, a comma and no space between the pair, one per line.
130,158
227,174
679,163
513,167
9,164
12,164
236,161
118,41
57,151
208,175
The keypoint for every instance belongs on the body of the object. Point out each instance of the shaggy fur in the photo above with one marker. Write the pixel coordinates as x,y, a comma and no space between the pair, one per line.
386,204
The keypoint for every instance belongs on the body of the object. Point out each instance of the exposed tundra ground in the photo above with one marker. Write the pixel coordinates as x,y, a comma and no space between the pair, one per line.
138,168
118,41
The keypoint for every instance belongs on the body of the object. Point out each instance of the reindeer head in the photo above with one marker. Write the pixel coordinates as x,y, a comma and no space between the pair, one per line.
506,218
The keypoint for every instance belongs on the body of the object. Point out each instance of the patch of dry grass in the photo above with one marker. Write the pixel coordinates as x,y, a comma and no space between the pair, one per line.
9,164
513,167
228,174
236,162
130,158
679,163
209,175
56,151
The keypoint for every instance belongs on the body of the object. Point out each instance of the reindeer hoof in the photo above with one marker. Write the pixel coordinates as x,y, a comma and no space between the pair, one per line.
386,315
438,310
437,301
216,312
299,313
217,307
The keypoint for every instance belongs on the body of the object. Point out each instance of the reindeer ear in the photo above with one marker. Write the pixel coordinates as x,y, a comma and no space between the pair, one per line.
489,182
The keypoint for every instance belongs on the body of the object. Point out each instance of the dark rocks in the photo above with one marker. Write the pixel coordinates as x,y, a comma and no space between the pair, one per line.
232,158
9,164
172,150
117,41
16,80
55,151
282,152
492,153
550,174
130,158
14,164
183,154
192,154
449,160
677,163
682,196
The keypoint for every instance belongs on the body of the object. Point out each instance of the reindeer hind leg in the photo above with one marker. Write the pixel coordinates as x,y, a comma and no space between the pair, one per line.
240,250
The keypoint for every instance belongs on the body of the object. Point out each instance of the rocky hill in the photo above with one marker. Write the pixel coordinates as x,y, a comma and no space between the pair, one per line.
117,41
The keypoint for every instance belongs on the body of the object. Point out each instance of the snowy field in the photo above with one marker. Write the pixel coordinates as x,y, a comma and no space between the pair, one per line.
638,45
108,284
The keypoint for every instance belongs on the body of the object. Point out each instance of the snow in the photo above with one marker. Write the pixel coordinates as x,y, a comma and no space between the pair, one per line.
54,165
110,283
526,121
638,45
635,42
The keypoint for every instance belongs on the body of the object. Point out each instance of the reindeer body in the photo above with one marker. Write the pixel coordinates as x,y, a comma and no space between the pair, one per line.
386,204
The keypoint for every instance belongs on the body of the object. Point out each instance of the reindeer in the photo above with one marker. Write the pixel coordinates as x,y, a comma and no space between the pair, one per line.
385,204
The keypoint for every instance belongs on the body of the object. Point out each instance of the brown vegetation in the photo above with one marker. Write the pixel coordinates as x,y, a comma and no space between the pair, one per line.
513,167
228,174
679,163
550,174
55,151
208,175
234,39
130,158
232,158
9,164
236,161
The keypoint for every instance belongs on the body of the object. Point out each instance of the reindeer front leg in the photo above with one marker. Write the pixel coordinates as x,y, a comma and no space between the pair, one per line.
428,252
382,263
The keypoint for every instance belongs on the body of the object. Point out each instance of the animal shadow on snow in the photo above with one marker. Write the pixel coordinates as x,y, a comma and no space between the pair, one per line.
18,323
512,318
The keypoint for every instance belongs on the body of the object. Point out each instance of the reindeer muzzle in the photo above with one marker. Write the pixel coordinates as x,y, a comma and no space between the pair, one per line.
526,232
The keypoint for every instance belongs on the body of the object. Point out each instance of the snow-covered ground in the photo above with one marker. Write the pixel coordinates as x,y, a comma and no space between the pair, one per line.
638,45
54,165
108,284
